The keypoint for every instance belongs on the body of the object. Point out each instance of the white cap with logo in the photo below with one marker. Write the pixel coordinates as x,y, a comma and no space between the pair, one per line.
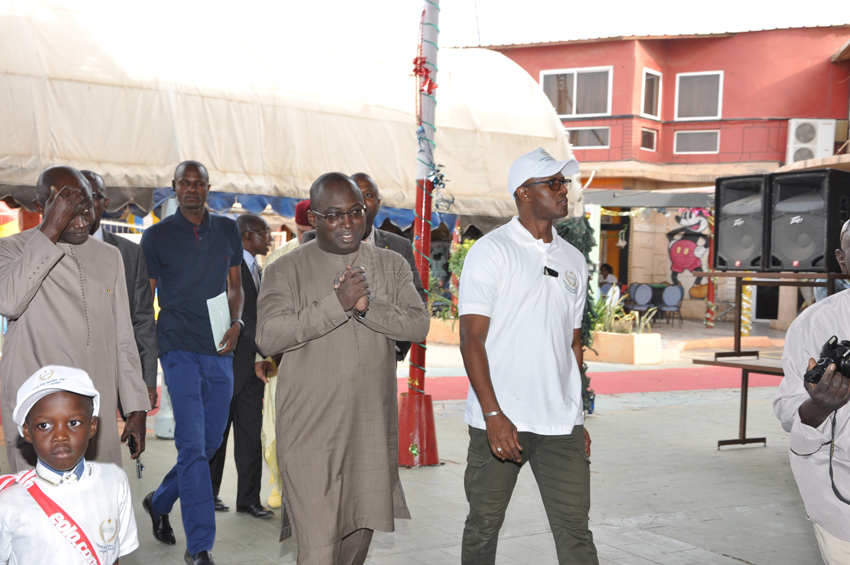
538,164
50,379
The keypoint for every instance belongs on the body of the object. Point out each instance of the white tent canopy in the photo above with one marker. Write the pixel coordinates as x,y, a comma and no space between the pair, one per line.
130,95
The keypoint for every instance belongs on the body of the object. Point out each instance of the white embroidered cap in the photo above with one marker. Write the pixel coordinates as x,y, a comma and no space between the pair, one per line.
50,379
538,164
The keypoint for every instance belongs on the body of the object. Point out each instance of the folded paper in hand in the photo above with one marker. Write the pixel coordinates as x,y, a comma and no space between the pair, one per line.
219,310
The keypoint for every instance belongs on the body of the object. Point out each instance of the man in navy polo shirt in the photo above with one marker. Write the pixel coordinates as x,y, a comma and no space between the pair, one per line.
193,256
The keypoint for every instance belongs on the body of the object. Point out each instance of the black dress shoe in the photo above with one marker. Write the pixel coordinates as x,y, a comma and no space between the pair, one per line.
255,510
202,558
161,526
220,506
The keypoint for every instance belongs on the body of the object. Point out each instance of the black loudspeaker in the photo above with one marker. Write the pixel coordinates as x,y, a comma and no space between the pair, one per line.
807,211
740,230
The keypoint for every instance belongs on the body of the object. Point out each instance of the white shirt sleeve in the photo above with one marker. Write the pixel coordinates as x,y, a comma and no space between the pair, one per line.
128,538
798,349
480,280
5,532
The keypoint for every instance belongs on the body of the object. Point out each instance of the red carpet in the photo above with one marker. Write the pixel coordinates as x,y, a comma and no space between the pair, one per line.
660,380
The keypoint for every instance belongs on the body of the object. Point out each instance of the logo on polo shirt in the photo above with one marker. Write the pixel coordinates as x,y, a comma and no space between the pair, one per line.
108,530
571,281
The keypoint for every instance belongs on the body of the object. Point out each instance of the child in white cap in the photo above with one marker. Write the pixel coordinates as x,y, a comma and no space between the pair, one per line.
67,510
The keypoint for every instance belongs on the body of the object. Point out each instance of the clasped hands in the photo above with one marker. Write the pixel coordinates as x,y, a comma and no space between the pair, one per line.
352,289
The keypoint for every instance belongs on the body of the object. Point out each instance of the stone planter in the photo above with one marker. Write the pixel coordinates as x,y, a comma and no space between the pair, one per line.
632,349
444,331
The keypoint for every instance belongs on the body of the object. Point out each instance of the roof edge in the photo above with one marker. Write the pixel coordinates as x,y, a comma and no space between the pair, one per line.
644,38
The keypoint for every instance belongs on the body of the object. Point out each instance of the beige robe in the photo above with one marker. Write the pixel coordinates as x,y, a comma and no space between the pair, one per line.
67,305
337,412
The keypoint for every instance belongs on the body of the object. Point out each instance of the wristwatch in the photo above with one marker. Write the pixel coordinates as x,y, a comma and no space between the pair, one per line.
240,322
358,313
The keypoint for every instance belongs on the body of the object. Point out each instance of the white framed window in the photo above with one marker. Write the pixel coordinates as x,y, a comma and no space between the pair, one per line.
579,92
696,142
648,139
699,96
589,138
650,96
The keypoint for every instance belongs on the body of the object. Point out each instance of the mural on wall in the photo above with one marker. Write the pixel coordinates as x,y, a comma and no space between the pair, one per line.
688,244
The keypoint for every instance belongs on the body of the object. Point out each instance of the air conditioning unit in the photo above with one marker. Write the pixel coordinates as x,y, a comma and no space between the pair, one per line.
809,139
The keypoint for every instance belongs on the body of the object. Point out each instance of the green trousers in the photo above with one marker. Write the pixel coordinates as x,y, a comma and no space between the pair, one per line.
562,471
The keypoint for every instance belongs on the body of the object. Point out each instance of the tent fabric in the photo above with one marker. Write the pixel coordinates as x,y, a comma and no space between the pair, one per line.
88,87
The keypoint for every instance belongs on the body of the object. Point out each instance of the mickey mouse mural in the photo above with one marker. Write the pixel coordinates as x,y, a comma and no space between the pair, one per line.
688,245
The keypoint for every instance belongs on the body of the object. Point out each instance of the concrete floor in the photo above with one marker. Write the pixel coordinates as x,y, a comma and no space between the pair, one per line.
662,493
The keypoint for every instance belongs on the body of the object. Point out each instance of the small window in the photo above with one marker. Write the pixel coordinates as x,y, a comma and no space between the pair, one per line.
697,142
648,138
651,95
588,138
579,92
699,96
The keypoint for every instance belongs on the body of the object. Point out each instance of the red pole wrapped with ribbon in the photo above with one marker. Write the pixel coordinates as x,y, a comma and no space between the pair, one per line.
417,439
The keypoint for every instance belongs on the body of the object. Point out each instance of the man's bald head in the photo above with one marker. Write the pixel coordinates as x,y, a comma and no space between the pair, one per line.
178,172
371,199
326,181
361,178
98,197
337,212
59,177
843,251
250,222
95,180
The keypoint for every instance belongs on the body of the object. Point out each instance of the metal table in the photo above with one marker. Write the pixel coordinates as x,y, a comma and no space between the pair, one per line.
747,364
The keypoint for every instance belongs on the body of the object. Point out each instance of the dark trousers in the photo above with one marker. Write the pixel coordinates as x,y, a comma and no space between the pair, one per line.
246,415
562,471
201,387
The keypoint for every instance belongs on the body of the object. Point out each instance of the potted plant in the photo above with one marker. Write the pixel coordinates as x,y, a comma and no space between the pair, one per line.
621,337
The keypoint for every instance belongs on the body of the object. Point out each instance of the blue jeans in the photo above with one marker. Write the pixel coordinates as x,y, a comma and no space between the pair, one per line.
201,387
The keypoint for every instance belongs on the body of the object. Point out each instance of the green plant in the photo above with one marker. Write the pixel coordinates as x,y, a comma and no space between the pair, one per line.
579,233
613,318
442,306
458,256
439,305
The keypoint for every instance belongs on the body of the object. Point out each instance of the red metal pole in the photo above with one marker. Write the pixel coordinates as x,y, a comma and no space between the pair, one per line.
417,439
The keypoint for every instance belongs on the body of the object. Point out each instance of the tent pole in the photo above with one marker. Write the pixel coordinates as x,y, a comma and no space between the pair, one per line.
417,439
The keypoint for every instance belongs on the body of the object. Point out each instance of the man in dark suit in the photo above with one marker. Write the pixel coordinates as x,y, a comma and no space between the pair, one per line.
387,240
138,286
246,408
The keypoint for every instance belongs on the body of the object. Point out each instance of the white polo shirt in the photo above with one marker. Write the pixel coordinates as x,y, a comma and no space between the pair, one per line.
99,502
532,318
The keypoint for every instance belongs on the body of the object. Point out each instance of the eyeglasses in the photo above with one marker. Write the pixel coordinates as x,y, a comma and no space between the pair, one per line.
266,232
335,217
554,184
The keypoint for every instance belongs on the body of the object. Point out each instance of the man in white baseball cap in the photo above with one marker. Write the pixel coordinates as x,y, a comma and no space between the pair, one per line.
538,164
523,357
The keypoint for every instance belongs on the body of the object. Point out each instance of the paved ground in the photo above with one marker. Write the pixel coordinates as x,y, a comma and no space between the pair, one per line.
662,492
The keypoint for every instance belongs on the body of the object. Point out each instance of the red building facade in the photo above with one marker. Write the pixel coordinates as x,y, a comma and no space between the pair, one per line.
682,103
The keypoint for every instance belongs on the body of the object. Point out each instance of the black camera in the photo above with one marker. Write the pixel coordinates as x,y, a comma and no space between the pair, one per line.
833,351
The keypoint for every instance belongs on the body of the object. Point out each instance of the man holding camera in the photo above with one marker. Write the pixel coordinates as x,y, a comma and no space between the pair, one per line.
817,415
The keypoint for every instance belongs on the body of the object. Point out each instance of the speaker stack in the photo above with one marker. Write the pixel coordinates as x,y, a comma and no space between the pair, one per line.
780,222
